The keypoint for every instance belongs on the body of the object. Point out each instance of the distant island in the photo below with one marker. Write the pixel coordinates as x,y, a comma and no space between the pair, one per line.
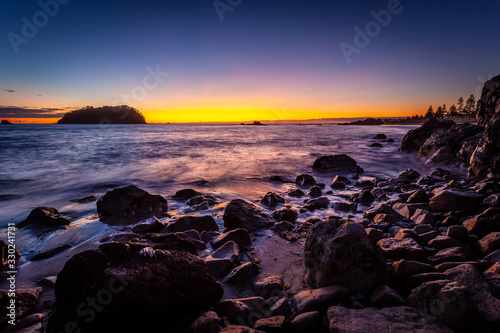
6,122
255,123
104,115
368,121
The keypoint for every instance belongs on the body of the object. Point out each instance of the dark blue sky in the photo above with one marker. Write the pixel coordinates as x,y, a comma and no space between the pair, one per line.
266,59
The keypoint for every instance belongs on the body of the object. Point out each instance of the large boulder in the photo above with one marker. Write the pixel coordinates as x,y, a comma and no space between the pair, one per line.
447,200
243,214
343,255
371,320
130,204
451,137
44,217
415,138
485,160
117,288
340,163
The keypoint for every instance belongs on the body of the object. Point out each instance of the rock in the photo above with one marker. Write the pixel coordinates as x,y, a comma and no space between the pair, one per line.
306,322
242,273
458,232
376,144
305,180
407,233
409,174
207,322
454,200
493,257
423,217
319,299
419,196
423,228
276,324
239,236
397,249
449,302
223,259
492,273
243,214
415,138
282,307
381,209
269,287
468,146
342,256
146,227
444,154
489,243
190,222
26,303
384,297
489,102
239,329
202,206
339,163
345,206
493,200
380,137
243,311
44,217
272,199
296,193
49,281
50,253
418,279
285,214
4,256
408,210
365,197
315,192
130,204
148,288
374,234
160,242
318,203
201,201
484,223
371,320
379,218
186,194
472,279
403,269
451,138
279,179
338,185
452,254
443,242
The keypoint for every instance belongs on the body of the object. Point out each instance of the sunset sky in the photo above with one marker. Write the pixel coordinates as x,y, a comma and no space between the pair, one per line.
253,60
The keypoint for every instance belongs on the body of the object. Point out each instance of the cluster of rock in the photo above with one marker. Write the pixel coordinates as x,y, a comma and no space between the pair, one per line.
443,141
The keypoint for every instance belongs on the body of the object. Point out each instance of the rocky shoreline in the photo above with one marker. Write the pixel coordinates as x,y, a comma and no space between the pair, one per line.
417,252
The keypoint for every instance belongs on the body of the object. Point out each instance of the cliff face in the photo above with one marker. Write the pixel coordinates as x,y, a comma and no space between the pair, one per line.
104,115
485,160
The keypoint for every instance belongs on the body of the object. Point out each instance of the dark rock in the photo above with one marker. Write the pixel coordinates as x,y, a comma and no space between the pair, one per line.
458,232
452,254
204,200
423,228
423,217
130,204
403,269
450,221
223,259
493,200
468,146
186,194
305,180
149,288
444,154
385,296
409,174
454,200
85,200
380,137
243,214
489,243
415,138
484,223
160,242
342,256
318,203
207,322
153,226
279,179
380,218
283,227
449,265
239,329
243,311
345,206
381,209
449,302
194,237
365,122
407,233
376,144
285,214
489,103
443,242
493,257
472,279
189,222
408,210
297,193
418,279
276,324
50,253
282,307
319,299
419,196
315,192
122,114
340,163
371,320
272,199
397,249
242,273
306,322
374,234
239,236
364,197
269,287
44,217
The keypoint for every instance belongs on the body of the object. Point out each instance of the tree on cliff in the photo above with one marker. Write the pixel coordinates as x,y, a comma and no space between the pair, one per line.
470,106
430,112
453,111
104,115
439,112
460,105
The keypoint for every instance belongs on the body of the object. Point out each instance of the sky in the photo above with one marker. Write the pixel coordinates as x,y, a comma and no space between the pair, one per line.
244,60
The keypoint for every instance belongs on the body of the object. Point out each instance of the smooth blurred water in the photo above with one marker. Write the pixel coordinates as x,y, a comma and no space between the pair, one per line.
51,165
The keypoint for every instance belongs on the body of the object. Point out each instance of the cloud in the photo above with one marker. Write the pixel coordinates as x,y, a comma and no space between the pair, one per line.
9,90
17,112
